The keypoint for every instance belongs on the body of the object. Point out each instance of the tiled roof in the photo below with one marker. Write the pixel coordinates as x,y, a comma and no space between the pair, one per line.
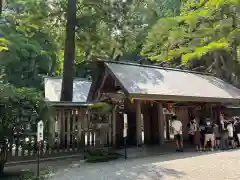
137,79
53,89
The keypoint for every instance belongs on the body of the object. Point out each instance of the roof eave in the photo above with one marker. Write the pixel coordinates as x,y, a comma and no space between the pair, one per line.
67,103
182,98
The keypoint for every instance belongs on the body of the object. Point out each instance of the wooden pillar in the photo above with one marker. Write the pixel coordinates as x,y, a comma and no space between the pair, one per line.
59,128
86,128
73,130
52,131
218,111
68,127
160,123
63,130
147,124
110,129
138,123
89,136
79,126
114,127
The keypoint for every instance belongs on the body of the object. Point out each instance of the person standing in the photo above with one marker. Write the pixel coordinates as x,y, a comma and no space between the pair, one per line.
177,131
192,128
197,139
208,133
216,136
230,133
223,132
237,130
202,131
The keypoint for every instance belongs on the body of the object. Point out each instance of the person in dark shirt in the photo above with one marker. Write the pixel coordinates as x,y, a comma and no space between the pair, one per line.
236,127
216,136
208,133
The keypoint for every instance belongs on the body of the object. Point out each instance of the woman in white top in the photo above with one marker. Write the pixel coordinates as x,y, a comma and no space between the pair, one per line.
230,132
177,131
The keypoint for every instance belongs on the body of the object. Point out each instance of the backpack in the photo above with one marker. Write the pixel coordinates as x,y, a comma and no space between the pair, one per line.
208,127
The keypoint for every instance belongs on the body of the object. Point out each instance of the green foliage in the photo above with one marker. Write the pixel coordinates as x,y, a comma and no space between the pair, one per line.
21,105
204,27
95,155
101,107
35,30
31,51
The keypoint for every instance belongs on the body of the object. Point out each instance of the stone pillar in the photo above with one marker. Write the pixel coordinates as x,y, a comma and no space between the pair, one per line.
138,123
114,127
160,123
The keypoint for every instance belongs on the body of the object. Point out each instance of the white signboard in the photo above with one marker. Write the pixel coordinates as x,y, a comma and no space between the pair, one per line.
40,131
125,126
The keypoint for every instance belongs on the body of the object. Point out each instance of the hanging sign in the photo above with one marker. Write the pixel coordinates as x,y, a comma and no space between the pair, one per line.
125,126
40,131
166,111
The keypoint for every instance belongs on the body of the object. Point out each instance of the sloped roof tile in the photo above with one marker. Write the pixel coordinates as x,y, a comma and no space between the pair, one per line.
53,89
169,82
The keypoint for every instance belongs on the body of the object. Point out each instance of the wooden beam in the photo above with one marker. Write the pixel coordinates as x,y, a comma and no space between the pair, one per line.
110,129
79,125
69,113
114,126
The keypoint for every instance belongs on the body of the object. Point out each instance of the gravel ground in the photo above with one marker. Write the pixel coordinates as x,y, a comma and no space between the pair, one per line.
178,166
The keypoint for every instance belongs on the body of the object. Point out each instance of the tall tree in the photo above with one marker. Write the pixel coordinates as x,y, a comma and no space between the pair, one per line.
31,49
69,52
1,7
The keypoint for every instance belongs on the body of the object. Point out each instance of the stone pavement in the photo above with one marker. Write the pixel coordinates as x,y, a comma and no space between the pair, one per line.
178,166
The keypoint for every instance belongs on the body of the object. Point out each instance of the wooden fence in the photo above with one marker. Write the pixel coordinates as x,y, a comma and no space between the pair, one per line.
70,133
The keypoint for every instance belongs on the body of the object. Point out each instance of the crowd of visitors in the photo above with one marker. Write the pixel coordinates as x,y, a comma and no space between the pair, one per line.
206,134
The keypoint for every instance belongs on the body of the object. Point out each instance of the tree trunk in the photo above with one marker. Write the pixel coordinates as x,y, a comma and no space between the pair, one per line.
69,52
1,7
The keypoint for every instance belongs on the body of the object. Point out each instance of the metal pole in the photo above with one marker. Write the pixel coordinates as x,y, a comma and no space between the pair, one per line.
125,148
38,158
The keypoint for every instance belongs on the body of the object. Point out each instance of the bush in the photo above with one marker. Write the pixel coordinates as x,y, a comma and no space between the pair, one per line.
20,107
94,155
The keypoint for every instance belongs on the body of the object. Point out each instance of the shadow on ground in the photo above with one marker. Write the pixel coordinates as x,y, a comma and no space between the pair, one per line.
133,168
149,171
16,175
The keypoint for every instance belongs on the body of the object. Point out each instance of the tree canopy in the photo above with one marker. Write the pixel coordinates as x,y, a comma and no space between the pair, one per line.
32,37
206,34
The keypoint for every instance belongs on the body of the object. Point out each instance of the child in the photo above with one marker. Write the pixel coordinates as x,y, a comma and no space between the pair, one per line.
197,139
